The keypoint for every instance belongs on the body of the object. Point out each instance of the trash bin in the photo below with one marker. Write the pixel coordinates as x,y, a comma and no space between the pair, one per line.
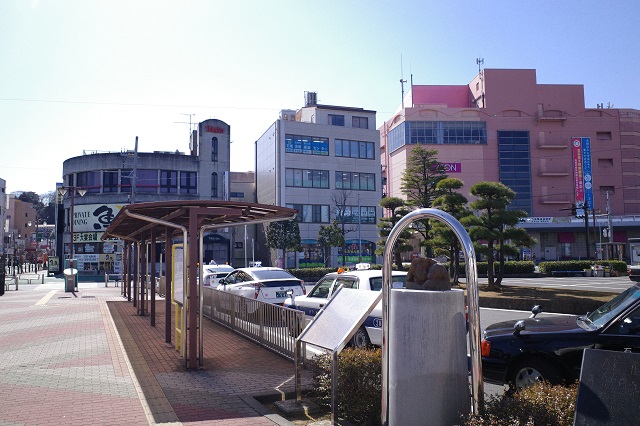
70,279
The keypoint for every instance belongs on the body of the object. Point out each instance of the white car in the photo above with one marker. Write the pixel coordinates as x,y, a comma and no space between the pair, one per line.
213,273
365,280
266,284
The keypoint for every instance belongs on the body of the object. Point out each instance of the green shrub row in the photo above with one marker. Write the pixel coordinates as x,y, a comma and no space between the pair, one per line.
359,384
511,267
360,390
617,266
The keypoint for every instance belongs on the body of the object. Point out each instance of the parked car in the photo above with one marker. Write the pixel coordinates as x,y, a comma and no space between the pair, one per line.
266,284
519,353
365,280
634,272
213,273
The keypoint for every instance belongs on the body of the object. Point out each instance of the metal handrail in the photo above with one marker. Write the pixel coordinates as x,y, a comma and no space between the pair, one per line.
477,386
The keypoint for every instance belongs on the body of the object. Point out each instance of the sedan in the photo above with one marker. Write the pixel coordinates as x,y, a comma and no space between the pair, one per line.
634,272
522,352
365,280
266,284
213,273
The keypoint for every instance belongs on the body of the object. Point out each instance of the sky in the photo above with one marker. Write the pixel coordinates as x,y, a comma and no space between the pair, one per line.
91,76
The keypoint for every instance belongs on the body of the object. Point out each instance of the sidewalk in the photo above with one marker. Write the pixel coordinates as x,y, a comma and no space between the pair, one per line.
86,358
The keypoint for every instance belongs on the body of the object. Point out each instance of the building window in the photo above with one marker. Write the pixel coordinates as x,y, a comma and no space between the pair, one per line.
336,120
238,244
304,178
311,213
356,181
168,182
514,165
349,214
438,132
609,189
603,136
214,149
214,185
188,183
360,122
125,180
147,181
605,162
236,194
312,145
110,181
354,149
89,181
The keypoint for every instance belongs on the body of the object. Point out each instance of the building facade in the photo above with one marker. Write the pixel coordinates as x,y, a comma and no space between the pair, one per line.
98,184
542,142
324,161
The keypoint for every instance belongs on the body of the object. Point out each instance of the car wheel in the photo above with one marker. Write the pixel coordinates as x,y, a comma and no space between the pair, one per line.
527,372
361,339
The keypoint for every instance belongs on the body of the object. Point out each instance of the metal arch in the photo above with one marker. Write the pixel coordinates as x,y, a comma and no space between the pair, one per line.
477,386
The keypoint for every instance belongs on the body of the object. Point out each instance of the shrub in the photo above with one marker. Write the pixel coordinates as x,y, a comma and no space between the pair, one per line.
511,267
359,384
541,405
618,267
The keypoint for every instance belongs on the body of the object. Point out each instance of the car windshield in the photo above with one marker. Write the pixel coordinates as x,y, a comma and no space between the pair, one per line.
612,308
397,281
270,274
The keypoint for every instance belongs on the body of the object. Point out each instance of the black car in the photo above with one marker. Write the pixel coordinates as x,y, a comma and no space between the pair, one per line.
522,352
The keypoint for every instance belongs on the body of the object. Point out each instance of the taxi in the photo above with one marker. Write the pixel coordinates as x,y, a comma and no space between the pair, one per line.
364,279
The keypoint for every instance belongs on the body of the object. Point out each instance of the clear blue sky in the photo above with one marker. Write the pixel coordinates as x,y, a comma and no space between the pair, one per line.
93,75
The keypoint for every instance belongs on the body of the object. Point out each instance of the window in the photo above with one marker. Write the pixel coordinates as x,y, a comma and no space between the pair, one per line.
305,178
336,120
311,145
110,181
603,136
188,183
356,181
89,181
367,214
236,194
354,149
605,162
360,122
168,182
311,213
609,189
214,185
438,132
238,244
147,181
125,180
214,149
514,165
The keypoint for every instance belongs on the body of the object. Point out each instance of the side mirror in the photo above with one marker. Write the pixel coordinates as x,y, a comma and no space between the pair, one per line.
535,311
518,328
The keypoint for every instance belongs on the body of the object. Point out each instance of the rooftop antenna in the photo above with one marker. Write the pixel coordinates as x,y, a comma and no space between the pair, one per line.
402,81
480,62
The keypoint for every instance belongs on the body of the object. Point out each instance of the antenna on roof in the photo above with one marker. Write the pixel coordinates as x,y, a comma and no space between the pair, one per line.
402,81
480,62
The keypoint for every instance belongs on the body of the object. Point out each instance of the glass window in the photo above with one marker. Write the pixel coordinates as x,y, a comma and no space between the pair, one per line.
147,181
214,185
307,178
125,180
168,182
312,145
360,122
214,149
188,183
336,120
89,181
110,181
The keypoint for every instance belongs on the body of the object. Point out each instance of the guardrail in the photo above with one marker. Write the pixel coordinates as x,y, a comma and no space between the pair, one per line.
272,326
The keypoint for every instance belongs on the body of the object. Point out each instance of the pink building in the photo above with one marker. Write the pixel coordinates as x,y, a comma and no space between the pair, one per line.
541,141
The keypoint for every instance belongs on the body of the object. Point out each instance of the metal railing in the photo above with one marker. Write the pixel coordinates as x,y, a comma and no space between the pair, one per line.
272,326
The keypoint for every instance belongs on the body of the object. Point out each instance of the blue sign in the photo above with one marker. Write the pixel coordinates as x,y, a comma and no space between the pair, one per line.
586,169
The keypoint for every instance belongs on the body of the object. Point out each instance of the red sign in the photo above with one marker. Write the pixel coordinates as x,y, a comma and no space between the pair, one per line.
212,129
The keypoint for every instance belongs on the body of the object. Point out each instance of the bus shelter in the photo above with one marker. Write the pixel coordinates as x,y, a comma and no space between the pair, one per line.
142,225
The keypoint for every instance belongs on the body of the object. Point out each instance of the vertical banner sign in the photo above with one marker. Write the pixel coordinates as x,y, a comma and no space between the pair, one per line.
578,173
586,170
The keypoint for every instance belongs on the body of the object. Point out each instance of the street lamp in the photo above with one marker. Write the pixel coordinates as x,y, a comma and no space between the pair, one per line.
62,191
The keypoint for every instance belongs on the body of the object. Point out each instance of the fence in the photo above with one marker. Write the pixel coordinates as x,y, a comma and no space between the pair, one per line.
272,326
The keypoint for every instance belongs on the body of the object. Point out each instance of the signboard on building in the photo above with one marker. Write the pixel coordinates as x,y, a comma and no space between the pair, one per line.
582,171
93,218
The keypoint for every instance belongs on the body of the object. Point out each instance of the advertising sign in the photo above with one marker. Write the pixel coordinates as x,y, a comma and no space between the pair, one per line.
582,171
93,218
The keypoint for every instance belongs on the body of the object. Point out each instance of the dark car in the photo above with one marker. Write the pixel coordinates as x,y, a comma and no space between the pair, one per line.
522,352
